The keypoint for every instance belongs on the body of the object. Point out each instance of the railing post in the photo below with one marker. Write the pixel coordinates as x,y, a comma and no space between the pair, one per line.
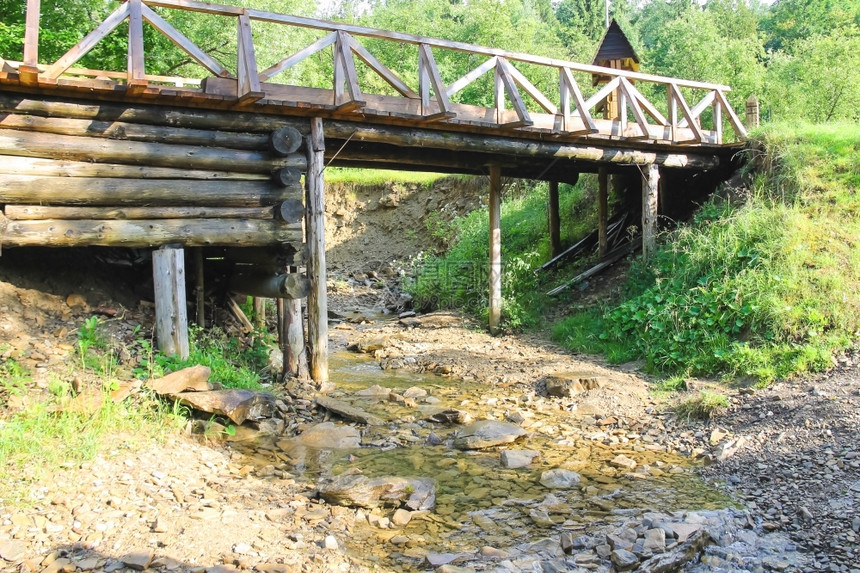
31,35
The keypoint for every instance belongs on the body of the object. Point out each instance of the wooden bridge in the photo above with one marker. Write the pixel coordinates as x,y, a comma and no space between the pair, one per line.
126,158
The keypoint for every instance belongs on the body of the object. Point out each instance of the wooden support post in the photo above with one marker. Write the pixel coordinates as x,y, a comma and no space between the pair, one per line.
293,336
650,193
495,248
317,299
602,210
554,220
171,314
259,312
201,292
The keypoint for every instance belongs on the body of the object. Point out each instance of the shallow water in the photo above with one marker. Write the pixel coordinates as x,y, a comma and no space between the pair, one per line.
478,502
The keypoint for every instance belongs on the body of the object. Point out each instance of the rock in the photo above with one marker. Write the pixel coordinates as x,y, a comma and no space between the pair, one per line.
623,462
541,518
679,556
449,416
559,478
655,540
238,405
376,391
683,531
486,434
361,491
77,301
566,384
368,346
330,542
718,435
439,559
328,436
12,550
348,412
624,560
401,517
513,459
194,378
729,448
138,560
415,392
454,569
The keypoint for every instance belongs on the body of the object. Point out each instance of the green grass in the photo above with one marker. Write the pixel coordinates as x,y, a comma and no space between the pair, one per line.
764,290
36,442
379,176
706,405
458,277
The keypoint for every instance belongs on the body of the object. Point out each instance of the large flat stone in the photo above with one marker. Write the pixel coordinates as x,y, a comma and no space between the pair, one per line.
357,490
328,436
238,405
348,412
194,378
486,434
566,384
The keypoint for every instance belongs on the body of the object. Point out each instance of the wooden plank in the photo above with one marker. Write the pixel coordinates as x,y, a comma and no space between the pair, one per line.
633,103
718,122
184,43
31,33
111,192
135,132
31,144
294,59
89,41
39,212
431,70
471,76
136,67
569,86
381,69
737,125
345,65
601,94
248,79
697,109
647,106
199,287
50,168
143,233
530,89
507,80
171,314
317,298
672,104
602,210
650,189
554,219
691,122
495,262
192,6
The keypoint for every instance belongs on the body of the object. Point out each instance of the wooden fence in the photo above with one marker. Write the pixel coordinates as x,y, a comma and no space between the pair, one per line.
519,106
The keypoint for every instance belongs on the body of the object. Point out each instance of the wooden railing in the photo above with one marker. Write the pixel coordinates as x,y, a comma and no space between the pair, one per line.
565,113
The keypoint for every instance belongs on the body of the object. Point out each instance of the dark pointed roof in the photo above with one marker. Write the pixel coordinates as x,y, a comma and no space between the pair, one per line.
614,46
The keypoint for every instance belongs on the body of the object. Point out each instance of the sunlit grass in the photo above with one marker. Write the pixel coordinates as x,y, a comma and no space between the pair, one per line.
380,176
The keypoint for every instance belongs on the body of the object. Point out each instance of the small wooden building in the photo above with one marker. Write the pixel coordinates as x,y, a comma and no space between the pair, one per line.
616,52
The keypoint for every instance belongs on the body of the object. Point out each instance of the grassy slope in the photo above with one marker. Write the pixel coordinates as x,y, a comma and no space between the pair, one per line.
765,289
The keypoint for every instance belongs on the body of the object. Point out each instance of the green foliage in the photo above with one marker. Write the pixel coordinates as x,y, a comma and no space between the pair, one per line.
93,349
234,363
704,406
767,289
459,278
14,379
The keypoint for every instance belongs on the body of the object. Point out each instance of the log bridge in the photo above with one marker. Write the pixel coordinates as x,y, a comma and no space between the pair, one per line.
231,163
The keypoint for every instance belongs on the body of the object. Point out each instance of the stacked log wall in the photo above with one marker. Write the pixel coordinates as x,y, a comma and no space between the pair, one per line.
78,174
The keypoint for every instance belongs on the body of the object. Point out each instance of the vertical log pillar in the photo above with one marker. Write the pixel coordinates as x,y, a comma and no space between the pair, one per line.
602,210
200,288
259,312
650,194
495,248
171,314
753,117
293,336
554,219
315,213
